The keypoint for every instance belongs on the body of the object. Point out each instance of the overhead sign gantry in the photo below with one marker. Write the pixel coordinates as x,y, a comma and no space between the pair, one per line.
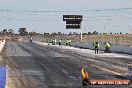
73,21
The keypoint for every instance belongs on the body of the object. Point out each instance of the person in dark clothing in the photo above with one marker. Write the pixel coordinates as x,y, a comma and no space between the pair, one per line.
67,42
60,42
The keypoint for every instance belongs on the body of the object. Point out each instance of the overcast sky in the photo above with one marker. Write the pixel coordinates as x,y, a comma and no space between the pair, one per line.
64,4
113,20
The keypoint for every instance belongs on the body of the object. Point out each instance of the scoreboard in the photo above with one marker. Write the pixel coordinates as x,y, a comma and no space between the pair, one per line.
73,21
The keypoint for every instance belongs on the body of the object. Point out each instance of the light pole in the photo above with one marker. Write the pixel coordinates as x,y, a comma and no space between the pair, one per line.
82,34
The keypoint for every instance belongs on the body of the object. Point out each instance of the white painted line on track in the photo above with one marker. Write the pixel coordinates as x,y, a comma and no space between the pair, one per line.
113,72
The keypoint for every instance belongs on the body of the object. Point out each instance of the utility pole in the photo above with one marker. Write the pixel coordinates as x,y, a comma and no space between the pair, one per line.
81,36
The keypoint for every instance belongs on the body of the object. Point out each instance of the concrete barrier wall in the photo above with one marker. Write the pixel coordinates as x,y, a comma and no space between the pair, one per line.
2,45
121,49
113,48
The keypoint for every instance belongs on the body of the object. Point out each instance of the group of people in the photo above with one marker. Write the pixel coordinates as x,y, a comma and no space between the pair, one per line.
68,42
96,45
106,45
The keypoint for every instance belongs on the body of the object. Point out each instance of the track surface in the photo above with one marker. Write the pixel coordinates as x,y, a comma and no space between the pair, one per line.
33,66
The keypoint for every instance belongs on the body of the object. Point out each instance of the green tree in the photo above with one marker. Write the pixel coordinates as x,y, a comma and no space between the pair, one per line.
22,31
4,31
11,31
54,34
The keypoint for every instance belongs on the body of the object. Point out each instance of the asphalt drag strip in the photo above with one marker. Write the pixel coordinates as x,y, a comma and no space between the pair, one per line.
33,66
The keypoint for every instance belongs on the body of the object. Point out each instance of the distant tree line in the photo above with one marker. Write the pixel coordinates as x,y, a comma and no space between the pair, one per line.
7,32
21,31
24,32
75,33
